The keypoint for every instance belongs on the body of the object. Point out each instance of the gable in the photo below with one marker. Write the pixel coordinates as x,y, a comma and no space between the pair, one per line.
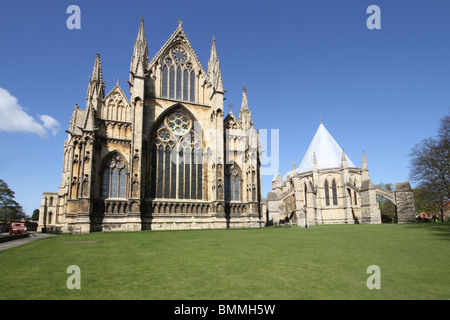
116,106
177,39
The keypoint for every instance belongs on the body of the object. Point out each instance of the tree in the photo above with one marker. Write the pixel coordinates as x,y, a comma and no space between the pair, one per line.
427,201
430,166
9,208
35,216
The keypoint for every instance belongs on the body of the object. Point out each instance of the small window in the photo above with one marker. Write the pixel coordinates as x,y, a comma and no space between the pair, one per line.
335,199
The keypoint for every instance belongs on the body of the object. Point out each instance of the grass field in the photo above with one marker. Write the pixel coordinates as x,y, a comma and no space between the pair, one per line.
323,262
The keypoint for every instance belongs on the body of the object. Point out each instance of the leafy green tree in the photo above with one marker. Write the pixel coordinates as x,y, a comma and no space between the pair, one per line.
430,166
425,200
35,216
9,208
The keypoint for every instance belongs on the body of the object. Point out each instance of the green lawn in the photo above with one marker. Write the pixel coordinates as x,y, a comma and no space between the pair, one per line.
324,262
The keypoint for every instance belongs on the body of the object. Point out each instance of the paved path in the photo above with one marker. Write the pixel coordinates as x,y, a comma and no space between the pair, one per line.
18,242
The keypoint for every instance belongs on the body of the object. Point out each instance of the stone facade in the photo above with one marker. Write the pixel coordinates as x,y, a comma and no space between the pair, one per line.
164,157
328,188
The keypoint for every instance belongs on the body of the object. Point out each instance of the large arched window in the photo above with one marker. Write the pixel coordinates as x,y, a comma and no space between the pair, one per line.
232,183
177,159
114,178
178,76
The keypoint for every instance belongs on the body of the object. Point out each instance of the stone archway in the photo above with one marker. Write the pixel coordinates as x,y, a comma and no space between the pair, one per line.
402,198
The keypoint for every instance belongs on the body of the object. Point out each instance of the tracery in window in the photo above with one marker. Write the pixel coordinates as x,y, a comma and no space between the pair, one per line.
178,76
177,159
232,183
114,178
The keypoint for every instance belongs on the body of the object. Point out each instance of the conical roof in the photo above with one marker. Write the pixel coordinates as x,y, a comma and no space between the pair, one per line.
327,151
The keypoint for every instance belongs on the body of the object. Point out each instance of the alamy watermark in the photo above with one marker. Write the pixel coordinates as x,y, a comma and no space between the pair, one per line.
374,281
74,280
74,20
374,21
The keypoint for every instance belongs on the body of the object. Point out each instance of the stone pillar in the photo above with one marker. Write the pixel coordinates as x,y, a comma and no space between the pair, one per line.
406,211
273,208
370,212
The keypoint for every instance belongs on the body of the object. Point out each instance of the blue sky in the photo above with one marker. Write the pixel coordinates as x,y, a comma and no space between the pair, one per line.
381,91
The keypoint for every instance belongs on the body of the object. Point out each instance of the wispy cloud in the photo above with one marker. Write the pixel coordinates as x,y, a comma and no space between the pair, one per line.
13,118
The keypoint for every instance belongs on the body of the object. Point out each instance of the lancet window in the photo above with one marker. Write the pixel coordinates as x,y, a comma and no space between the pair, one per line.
232,183
334,190
178,76
333,193
114,178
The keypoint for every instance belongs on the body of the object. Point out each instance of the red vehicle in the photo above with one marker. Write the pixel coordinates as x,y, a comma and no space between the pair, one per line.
17,228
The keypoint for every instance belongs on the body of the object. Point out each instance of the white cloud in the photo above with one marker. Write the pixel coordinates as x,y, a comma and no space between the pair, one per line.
50,123
13,118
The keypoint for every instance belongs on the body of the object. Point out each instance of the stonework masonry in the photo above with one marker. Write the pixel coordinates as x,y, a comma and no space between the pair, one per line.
167,157
163,157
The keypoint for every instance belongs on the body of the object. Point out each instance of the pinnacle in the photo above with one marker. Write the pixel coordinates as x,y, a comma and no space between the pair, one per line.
97,70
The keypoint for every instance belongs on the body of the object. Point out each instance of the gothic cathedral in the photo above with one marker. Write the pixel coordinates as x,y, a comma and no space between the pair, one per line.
164,157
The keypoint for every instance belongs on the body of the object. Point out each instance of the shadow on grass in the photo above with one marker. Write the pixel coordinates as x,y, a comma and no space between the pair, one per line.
440,229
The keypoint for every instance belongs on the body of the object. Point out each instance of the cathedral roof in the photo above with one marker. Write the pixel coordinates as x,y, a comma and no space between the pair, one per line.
323,150
326,150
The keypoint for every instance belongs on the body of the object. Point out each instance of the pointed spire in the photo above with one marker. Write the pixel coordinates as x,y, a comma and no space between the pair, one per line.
97,74
364,170
89,119
364,161
279,179
244,105
293,167
214,73
73,119
139,60
245,114
141,39
213,56
96,88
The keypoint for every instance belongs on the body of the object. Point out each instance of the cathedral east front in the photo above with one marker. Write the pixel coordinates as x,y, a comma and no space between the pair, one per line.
166,157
